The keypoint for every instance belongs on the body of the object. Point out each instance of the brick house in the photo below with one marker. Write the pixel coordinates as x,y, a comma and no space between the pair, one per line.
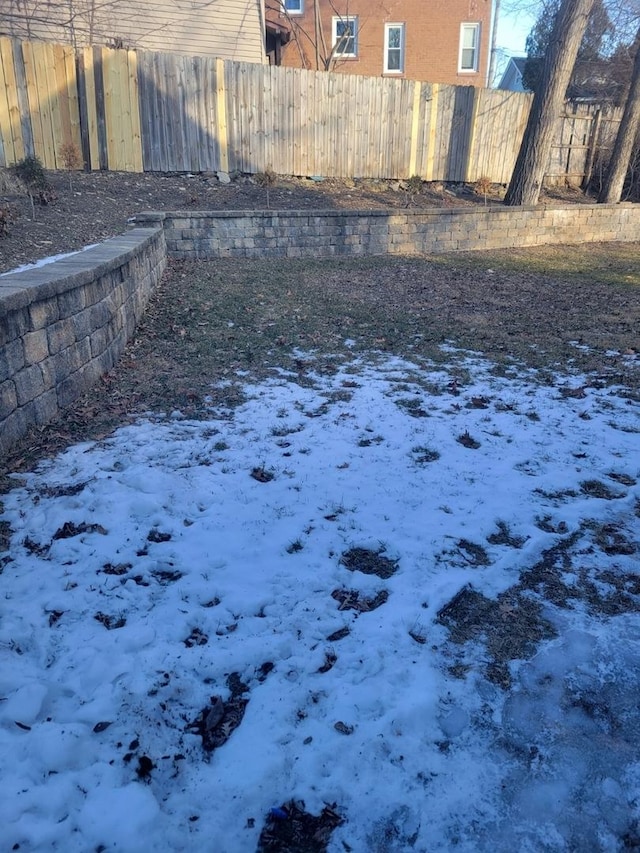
439,41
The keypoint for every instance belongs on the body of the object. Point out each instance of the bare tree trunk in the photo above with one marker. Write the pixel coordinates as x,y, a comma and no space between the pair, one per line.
611,192
533,156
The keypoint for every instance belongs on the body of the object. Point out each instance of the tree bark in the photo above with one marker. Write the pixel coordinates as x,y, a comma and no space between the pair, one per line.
611,192
528,174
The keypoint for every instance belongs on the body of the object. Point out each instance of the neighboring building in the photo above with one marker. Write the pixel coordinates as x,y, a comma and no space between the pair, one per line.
440,41
511,79
230,29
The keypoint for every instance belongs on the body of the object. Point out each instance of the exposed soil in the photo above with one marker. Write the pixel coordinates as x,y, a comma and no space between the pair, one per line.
369,562
291,829
90,207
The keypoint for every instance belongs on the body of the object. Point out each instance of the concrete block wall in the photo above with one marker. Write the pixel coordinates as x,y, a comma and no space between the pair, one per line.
316,234
63,325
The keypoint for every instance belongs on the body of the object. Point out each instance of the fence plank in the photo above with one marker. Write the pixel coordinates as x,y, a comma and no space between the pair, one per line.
32,97
181,127
433,132
145,96
415,127
134,111
72,94
163,146
62,129
112,102
222,115
92,136
210,124
11,126
206,116
163,112
374,127
6,135
43,59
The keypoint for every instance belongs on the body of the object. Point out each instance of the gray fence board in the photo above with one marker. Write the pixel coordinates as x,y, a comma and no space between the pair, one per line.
299,122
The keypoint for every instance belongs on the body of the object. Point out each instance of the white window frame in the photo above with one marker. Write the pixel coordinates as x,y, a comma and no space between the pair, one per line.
344,19
475,27
298,11
387,29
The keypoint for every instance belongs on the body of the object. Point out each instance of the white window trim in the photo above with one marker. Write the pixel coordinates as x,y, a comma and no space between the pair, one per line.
476,64
388,27
293,12
334,35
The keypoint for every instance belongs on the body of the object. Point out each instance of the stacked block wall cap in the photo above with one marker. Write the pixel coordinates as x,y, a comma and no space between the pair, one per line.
20,289
64,324
492,210
326,233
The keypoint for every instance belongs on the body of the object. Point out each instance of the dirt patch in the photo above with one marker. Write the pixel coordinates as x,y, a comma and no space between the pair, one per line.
291,829
89,207
369,562
351,599
513,624
216,723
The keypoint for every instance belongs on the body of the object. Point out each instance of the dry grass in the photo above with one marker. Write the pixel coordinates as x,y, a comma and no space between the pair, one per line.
209,320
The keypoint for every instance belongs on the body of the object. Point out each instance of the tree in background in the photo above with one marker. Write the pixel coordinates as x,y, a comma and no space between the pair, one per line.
627,136
77,22
592,73
569,27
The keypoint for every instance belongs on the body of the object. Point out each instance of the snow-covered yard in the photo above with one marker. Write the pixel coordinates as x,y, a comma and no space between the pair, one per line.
403,594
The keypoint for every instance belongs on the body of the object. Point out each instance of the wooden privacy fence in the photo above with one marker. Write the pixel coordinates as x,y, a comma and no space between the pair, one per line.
139,111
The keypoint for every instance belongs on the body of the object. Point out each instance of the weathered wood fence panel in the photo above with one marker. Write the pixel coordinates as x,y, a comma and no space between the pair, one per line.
53,96
144,111
500,120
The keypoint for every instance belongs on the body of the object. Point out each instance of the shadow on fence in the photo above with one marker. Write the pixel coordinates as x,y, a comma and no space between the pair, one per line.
140,111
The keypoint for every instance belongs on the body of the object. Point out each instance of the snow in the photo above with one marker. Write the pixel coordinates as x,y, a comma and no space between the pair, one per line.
435,760
51,259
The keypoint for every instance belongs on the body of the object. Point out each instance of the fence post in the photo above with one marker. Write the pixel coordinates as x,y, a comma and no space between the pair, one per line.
433,123
83,111
415,125
470,167
221,113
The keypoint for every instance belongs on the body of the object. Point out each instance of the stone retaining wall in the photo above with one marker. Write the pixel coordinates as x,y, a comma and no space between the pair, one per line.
63,325
304,234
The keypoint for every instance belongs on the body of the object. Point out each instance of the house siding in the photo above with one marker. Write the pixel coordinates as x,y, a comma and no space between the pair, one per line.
432,37
511,80
230,29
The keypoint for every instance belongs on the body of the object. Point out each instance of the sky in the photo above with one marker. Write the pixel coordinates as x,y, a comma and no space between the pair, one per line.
310,601
513,29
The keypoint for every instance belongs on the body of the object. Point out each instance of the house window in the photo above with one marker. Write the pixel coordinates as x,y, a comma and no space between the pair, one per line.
394,48
345,36
469,44
293,7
